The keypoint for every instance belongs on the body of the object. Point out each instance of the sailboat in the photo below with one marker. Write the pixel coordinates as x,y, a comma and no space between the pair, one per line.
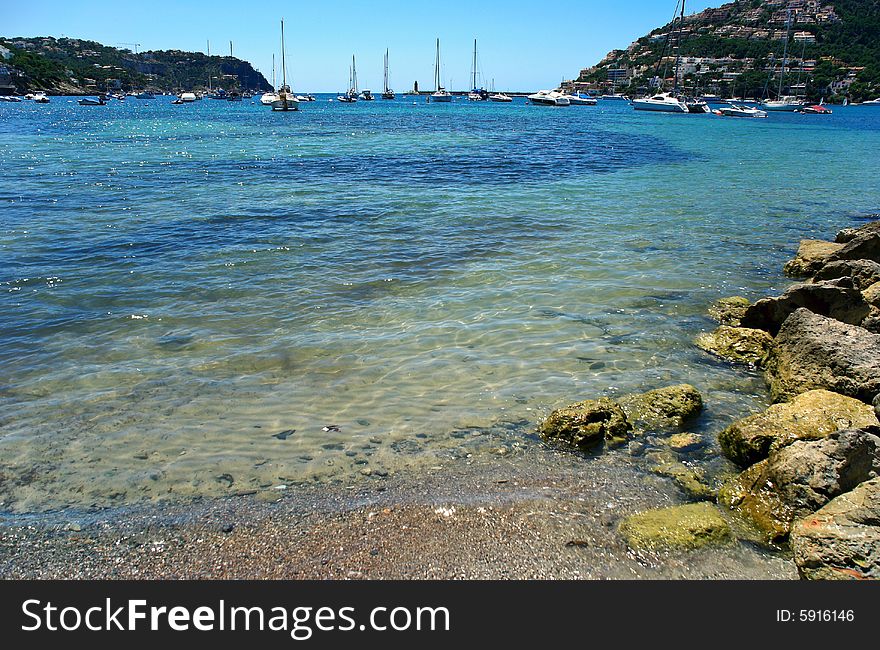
476,94
270,96
440,94
286,101
666,102
351,96
783,102
387,93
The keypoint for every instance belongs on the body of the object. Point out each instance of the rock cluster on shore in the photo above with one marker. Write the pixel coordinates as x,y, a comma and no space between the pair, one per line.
810,462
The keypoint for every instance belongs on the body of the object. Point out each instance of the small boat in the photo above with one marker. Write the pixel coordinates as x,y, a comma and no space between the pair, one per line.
816,109
783,104
268,97
614,97
661,102
40,98
351,96
286,101
738,110
88,101
9,98
549,98
576,99
696,106
500,97
144,95
440,94
387,93
873,102
366,95
476,94
187,97
178,101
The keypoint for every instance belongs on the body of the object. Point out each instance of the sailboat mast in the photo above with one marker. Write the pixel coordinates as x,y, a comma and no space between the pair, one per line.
283,61
354,75
784,53
437,68
274,84
386,70
678,47
474,70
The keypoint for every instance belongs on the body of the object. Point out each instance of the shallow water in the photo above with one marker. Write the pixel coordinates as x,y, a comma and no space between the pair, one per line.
180,284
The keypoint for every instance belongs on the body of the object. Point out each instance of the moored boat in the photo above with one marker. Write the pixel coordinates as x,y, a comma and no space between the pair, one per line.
662,102
738,110
816,109
500,98
88,101
440,94
577,99
387,93
40,98
286,101
549,98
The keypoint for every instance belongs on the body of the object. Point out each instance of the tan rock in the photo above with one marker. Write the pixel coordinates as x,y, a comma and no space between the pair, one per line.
728,311
736,344
680,527
809,416
811,256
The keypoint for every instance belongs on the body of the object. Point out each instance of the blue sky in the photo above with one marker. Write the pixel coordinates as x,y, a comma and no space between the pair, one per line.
523,44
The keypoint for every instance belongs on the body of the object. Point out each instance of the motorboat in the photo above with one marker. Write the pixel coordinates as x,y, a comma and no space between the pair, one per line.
614,97
88,101
696,106
738,110
873,102
187,97
144,95
366,95
816,109
268,98
40,98
549,98
9,98
500,97
576,99
662,102
783,104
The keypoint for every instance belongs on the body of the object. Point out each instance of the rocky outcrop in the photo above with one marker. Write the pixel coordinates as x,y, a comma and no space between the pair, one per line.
848,234
809,416
667,407
841,541
729,311
865,245
837,299
736,344
863,273
683,443
812,351
681,527
586,424
801,478
811,256
691,480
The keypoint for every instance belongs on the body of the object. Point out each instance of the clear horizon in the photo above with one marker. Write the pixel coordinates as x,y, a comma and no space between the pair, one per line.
522,46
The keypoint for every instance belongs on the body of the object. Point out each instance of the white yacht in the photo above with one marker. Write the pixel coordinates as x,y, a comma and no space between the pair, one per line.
272,95
549,98
40,98
614,97
873,102
784,103
663,102
187,97
440,94
500,97
576,99
738,110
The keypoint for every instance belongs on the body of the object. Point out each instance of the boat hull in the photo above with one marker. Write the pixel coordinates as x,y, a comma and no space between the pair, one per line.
658,107
441,97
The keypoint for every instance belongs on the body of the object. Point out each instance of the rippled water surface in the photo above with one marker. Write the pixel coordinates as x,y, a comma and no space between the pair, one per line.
214,298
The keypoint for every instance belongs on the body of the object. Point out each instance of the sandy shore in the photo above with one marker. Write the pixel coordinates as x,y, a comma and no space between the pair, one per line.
539,514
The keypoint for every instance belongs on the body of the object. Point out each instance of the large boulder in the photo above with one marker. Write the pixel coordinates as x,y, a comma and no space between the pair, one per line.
848,234
841,540
736,344
864,246
863,273
872,321
872,294
809,416
662,408
680,527
729,311
586,424
812,351
801,478
811,256
838,299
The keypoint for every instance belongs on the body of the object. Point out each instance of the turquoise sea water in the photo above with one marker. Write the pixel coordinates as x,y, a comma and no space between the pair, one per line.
179,284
